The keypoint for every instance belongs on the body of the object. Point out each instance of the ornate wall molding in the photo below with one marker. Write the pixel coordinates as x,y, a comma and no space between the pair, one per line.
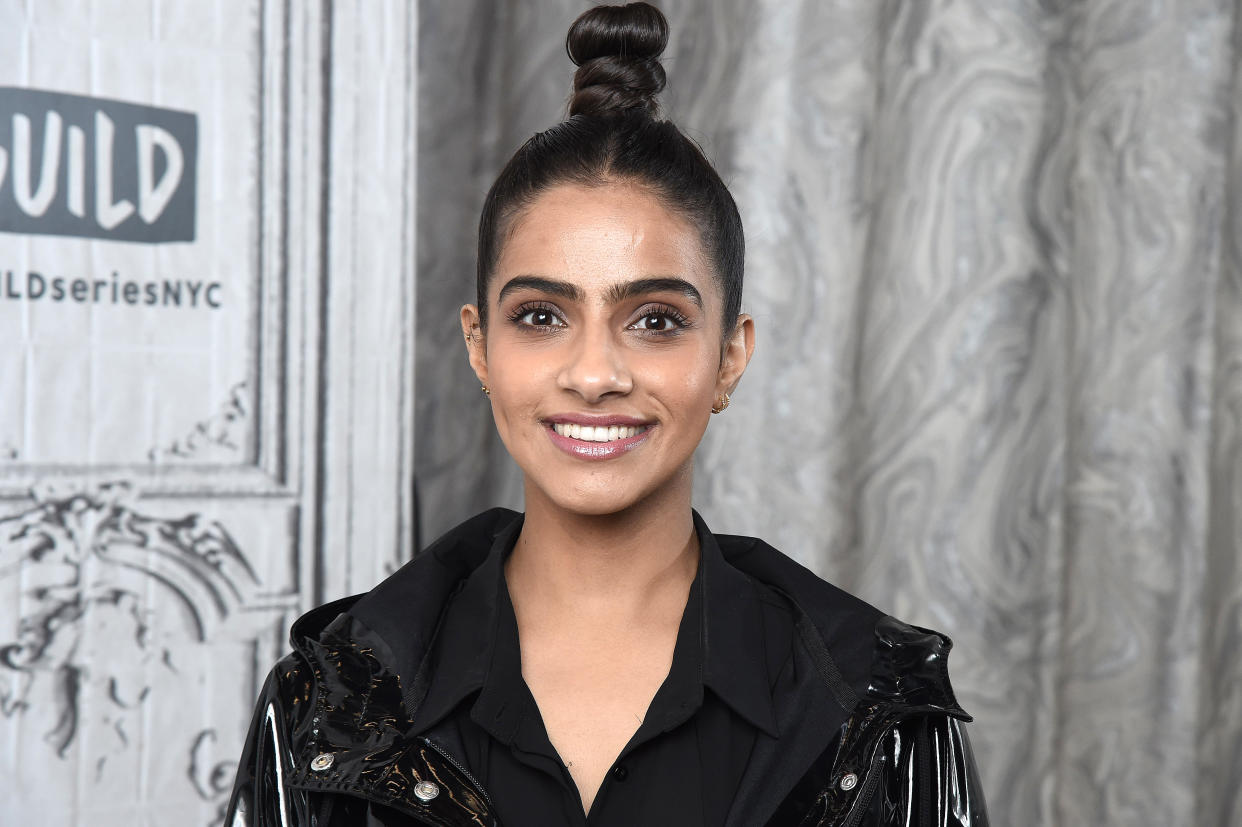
92,559
223,434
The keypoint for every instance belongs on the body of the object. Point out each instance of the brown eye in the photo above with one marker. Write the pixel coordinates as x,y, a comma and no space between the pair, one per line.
540,317
657,322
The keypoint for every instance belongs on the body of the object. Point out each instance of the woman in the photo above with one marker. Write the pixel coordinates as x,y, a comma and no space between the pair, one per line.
605,659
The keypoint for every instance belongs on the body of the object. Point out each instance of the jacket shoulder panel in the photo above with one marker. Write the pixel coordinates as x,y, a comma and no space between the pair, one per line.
917,769
910,667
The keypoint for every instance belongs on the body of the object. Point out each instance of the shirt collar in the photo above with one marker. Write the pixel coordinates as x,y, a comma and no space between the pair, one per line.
736,665
464,644
721,647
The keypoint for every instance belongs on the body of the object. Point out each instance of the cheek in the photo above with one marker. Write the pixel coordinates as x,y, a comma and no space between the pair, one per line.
687,381
518,381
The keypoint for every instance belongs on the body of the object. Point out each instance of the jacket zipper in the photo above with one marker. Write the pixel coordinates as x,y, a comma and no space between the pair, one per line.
457,764
921,745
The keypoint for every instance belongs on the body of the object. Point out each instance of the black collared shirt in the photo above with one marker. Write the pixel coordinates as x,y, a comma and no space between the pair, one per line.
685,761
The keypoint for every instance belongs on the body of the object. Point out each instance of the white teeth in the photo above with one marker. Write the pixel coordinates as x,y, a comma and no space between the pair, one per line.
601,433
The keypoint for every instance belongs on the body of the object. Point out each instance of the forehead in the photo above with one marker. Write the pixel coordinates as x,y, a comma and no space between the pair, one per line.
601,235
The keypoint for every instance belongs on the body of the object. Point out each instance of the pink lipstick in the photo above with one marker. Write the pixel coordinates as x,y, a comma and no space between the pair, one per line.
596,437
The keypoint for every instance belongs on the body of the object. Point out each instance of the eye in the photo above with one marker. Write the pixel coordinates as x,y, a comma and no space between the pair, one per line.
541,318
536,316
660,320
655,321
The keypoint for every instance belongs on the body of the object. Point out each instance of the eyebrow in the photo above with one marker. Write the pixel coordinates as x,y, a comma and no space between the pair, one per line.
617,293
659,284
563,289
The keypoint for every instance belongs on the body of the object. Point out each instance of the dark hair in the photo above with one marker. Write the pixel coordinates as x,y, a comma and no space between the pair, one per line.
613,134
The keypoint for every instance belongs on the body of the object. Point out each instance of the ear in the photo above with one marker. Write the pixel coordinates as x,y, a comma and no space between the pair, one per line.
476,346
735,355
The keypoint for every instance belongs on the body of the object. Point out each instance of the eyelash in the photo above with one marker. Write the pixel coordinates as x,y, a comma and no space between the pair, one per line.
679,320
522,310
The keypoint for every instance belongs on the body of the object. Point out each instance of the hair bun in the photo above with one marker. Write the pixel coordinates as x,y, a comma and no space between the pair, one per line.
617,51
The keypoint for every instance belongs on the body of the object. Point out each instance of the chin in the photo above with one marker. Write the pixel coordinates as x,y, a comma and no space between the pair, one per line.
591,503
605,495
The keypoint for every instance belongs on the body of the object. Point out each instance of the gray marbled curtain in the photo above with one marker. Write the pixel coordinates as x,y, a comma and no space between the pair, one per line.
994,262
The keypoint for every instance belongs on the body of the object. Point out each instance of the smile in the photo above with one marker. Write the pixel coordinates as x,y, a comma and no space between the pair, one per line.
597,442
599,433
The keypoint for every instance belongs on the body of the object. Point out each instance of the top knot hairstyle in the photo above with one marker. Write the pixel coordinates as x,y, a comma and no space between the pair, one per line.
617,51
614,135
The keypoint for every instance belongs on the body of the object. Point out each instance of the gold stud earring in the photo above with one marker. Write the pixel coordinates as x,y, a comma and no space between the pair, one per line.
487,390
722,402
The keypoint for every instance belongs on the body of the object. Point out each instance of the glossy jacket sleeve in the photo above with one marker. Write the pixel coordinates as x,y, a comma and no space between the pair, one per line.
260,796
924,776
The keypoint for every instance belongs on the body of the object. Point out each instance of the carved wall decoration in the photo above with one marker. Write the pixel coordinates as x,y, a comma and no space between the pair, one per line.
212,779
157,586
221,435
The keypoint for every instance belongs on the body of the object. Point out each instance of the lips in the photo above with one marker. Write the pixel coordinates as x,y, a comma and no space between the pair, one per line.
597,438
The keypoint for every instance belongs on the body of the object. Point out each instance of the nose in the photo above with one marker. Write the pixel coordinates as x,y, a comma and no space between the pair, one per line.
595,366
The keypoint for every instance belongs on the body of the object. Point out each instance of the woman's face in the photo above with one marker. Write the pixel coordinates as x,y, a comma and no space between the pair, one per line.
603,347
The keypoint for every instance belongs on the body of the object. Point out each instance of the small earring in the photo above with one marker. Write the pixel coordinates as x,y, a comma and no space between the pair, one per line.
487,390
722,402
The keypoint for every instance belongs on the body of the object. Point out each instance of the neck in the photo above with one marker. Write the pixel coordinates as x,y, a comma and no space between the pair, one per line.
607,566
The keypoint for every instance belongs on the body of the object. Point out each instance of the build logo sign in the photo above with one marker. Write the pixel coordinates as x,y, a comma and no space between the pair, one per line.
112,346
93,168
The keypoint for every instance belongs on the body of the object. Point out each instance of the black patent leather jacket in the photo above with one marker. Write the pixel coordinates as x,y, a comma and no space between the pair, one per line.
331,742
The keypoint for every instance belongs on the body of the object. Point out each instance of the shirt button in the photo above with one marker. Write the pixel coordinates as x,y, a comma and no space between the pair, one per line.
619,773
